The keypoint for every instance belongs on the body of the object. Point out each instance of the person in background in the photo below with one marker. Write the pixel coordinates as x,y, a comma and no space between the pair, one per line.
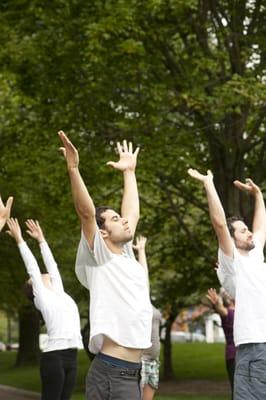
58,365
150,357
224,305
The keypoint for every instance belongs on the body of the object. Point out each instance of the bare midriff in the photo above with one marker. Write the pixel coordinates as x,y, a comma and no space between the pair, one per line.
124,353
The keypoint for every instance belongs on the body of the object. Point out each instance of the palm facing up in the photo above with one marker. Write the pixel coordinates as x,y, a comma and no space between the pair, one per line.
200,177
249,186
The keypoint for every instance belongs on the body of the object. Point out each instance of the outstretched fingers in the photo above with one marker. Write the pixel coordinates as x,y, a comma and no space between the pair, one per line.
125,146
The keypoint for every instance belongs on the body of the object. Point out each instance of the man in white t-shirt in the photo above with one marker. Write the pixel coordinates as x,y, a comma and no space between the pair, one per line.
120,308
242,272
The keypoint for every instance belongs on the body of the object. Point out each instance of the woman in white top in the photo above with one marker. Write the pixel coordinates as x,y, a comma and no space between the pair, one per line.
58,365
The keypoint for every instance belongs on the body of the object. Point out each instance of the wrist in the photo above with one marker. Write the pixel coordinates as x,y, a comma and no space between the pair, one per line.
72,167
129,171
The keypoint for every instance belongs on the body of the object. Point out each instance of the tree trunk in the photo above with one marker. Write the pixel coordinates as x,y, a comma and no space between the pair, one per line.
168,372
29,329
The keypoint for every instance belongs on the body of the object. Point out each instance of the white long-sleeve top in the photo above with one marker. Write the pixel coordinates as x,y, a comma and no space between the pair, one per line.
58,309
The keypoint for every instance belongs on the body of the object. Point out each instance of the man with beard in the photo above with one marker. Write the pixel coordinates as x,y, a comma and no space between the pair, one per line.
242,273
120,308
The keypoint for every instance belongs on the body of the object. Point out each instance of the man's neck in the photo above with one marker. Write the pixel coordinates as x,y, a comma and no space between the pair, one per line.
114,247
243,252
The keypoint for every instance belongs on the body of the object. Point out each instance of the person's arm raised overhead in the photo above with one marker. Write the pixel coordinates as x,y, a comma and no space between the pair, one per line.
35,231
27,256
140,246
127,164
216,211
259,218
5,211
82,200
217,302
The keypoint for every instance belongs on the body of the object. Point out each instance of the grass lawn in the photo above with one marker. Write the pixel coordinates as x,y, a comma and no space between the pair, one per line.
191,361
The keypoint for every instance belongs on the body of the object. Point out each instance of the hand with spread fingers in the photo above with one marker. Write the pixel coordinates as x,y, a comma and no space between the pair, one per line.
194,173
34,230
249,186
69,151
5,211
14,230
140,243
213,296
127,158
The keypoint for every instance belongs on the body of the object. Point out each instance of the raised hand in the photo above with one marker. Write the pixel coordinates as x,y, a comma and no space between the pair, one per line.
200,177
14,229
5,211
127,159
69,151
140,243
213,296
249,186
34,230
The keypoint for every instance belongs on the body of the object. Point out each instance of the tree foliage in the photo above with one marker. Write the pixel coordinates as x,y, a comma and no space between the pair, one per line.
184,80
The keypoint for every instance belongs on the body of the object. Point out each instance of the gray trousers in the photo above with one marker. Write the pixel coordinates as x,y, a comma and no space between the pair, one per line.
108,382
250,372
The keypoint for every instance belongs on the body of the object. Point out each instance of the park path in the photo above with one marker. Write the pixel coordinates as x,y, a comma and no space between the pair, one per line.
193,387
8,393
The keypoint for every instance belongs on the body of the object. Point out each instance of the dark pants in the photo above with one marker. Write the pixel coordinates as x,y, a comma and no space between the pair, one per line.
230,367
106,381
58,374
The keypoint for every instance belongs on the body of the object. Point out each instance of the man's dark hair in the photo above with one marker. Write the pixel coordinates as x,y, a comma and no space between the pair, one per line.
230,221
99,219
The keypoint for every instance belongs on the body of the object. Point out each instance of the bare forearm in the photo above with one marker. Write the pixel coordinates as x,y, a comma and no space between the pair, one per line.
82,201
216,210
130,201
142,258
220,309
259,220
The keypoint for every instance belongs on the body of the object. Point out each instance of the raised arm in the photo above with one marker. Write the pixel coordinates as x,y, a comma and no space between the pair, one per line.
27,256
217,302
35,231
5,211
259,219
216,211
140,247
127,164
82,201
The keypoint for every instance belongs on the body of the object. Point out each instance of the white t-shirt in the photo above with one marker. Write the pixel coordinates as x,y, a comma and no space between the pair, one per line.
120,306
58,309
244,277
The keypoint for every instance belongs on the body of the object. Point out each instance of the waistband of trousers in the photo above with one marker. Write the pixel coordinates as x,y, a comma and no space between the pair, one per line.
118,362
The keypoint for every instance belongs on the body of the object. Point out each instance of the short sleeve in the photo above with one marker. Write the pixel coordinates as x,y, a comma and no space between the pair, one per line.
99,255
128,250
226,271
